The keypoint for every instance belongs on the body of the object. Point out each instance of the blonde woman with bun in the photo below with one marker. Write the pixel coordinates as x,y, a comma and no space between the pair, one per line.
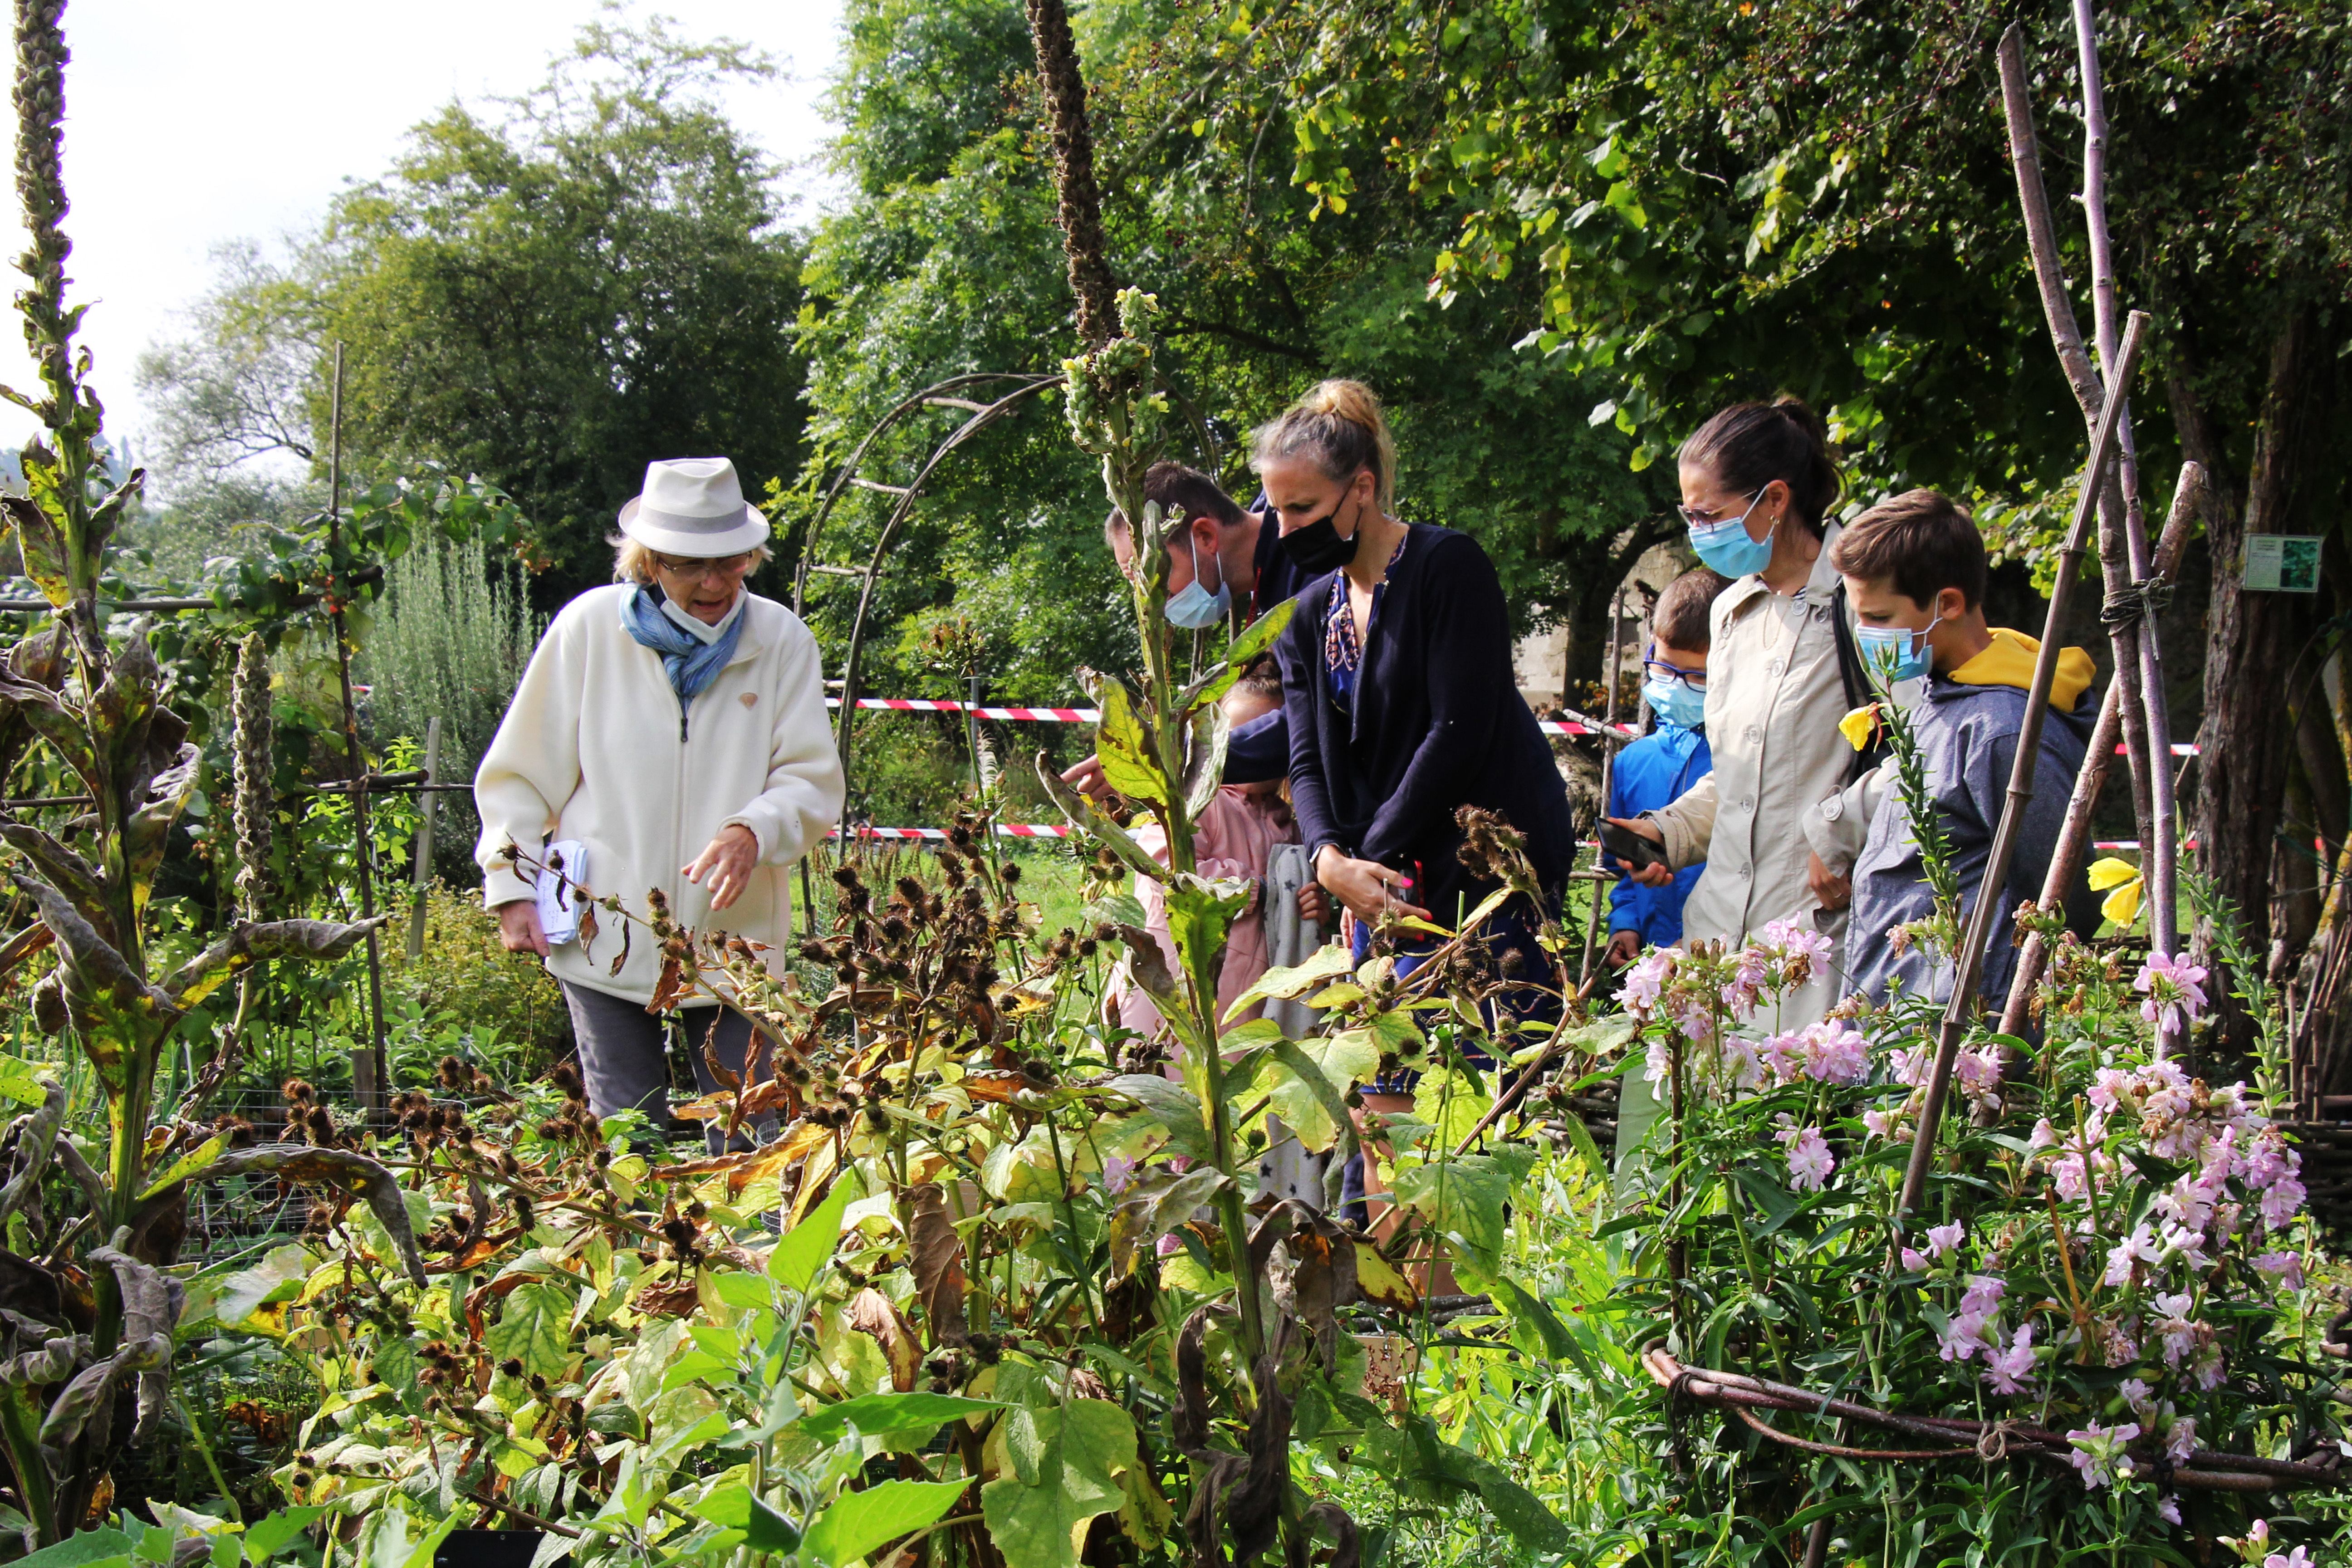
1401,701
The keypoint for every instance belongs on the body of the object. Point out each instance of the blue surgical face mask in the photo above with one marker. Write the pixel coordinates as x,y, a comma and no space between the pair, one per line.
1675,702
1897,652
1725,546
1193,607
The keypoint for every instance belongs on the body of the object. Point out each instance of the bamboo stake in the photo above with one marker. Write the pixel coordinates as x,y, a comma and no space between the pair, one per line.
2162,848
2092,779
423,874
2067,337
1608,772
368,1086
1969,959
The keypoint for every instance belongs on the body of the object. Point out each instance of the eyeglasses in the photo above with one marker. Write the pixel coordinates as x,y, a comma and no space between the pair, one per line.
696,571
1656,668
1696,520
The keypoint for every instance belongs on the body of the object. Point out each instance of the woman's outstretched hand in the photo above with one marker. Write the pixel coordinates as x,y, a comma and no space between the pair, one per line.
1652,876
727,860
1366,888
518,927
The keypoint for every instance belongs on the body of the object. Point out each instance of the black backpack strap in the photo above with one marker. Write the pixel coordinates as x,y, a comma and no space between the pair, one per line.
1859,692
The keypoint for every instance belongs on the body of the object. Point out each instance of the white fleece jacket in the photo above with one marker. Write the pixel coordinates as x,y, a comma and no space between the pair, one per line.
593,747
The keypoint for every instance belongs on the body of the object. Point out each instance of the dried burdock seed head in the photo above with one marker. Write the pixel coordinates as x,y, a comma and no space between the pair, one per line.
538,1383
987,1348
972,902
1088,947
877,1119
846,877
894,929
415,1121
1009,873
320,1126
960,835
523,1216
910,891
298,1092
454,1074
817,951
566,1077
556,1129
511,1366
952,871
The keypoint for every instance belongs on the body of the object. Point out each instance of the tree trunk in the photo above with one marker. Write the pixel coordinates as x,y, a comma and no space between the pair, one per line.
2251,640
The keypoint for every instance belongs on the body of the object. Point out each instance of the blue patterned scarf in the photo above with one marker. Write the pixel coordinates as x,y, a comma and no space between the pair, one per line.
692,663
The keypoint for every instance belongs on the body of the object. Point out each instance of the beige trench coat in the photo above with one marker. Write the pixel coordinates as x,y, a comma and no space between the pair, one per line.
1773,702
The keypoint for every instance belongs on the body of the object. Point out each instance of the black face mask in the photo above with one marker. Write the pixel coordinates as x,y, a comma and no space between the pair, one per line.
1317,548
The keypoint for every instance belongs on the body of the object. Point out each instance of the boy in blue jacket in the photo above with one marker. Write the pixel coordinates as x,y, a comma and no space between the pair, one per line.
1657,768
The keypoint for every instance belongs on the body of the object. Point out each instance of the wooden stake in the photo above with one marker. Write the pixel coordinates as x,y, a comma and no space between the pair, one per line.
1968,963
370,1071
422,878
1608,772
2067,861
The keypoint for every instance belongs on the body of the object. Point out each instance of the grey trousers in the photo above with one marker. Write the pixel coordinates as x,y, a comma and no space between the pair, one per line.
625,1059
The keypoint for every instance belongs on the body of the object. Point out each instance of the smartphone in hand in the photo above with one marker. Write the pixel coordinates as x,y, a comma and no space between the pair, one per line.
1629,849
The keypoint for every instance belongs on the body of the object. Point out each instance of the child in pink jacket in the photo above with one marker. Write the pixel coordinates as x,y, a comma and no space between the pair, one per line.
1234,837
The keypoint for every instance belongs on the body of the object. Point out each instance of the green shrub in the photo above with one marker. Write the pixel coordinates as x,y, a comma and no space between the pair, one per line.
466,993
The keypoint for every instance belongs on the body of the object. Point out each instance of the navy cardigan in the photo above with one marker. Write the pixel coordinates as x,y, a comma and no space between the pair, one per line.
1439,724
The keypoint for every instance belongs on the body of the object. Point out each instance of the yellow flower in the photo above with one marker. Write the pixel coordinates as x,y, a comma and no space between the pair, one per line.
2122,905
1858,725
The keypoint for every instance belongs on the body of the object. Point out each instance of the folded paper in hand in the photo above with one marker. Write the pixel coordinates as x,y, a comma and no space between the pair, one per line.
562,884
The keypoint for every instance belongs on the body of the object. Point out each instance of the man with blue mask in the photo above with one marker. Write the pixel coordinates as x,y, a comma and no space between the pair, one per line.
1223,563
1656,769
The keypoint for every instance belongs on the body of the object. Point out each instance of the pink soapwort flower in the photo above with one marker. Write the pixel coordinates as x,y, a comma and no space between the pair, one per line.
1912,1066
2189,1202
1836,1052
2172,986
2137,1393
1810,1160
2280,1201
2250,1545
2206,1371
1881,1123
2189,1246
1942,1239
1983,1295
1647,980
1117,1171
1913,1261
2287,1266
2044,1135
1787,938
2267,1160
2139,1247
2180,1333
2010,1371
1168,1245
2108,1086
2168,1508
2180,1439
1962,1336
2101,1453
1782,1053
1659,1059
2298,1558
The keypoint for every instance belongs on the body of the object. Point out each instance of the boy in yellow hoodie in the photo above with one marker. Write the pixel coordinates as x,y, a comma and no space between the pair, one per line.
1915,573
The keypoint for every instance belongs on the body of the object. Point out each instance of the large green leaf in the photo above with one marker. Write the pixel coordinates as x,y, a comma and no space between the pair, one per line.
265,1538
1065,1470
1326,961
809,1244
1123,744
1172,1106
859,1522
1464,1199
873,1413
535,1325
1201,916
1312,1099
1083,814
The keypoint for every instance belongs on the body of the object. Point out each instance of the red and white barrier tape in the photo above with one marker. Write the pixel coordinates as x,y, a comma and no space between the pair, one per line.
2179,749
1003,830
1094,715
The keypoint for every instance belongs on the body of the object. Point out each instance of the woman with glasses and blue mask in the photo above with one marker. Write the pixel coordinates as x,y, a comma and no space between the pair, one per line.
1758,485
1402,701
670,735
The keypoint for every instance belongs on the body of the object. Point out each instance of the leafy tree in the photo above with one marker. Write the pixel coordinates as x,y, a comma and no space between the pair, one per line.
946,261
549,299
1720,201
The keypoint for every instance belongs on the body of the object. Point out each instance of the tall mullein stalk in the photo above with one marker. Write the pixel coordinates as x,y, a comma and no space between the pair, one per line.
95,703
255,809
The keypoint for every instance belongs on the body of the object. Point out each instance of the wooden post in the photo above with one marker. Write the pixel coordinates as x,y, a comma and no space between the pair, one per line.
422,876
1968,963
2067,861
370,1071
1608,773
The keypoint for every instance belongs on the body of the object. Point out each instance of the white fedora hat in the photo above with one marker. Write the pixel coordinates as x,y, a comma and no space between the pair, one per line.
693,507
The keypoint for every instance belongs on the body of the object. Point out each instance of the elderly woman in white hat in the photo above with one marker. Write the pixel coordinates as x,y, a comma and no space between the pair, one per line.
672,726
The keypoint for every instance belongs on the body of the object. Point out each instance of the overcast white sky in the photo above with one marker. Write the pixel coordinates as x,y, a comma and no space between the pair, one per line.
190,122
